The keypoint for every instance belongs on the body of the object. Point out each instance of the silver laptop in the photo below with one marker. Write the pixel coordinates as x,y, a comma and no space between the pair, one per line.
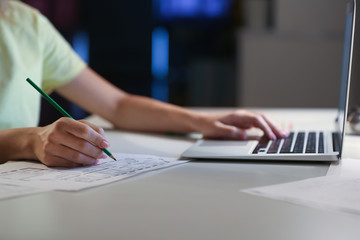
300,145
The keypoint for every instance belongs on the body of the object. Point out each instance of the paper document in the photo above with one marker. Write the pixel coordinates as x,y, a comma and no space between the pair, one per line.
39,176
339,192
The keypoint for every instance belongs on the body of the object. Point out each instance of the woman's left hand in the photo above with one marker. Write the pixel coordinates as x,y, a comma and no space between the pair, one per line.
233,125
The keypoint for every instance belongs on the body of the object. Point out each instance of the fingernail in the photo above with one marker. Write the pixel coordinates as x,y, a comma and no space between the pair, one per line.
96,161
104,144
285,133
103,156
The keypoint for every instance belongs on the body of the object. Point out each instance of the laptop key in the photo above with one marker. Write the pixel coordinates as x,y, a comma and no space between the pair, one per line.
321,143
261,146
311,143
286,147
336,142
299,144
274,146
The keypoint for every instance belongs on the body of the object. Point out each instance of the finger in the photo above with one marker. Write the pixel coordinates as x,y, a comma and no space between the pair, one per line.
84,131
276,130
82,146
229,132
77,144
260,122
68,154
76,156
93,126
55,161
238,134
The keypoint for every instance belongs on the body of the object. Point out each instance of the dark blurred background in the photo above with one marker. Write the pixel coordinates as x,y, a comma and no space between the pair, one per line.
243,53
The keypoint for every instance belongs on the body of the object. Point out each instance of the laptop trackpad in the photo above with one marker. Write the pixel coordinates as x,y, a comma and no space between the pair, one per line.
221,148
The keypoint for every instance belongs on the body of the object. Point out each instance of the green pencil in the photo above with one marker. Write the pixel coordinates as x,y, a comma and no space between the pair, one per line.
57,106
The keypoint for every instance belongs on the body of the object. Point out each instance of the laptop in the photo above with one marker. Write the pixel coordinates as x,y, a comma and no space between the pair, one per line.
300,145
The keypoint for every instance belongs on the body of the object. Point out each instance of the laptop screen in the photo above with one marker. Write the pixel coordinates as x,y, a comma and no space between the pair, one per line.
346,69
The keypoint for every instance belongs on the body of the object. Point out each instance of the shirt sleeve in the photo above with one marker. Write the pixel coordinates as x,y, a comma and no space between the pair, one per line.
60,62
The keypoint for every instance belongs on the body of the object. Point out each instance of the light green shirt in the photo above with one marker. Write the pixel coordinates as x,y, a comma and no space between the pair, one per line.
30,47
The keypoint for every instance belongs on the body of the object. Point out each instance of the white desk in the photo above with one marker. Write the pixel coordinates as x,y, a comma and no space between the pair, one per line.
198,200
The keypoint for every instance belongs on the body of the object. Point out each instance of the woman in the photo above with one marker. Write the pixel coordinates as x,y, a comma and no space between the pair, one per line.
31,47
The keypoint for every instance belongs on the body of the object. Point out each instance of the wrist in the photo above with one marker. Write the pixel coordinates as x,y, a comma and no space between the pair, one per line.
199,121
30,142
18,143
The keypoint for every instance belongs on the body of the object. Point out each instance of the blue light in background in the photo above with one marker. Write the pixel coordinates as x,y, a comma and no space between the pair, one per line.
160,63
81,45
160,52
216,8
171,9
183,8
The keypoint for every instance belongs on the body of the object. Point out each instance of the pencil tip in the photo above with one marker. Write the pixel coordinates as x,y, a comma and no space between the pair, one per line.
113,157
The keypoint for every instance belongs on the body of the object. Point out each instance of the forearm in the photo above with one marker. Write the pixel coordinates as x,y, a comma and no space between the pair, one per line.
17,144
136,113
126,111
145,114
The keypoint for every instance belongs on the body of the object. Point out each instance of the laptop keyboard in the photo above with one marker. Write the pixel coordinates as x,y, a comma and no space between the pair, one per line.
294,143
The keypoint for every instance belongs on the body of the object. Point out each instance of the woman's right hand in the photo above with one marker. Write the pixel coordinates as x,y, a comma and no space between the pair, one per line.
70,143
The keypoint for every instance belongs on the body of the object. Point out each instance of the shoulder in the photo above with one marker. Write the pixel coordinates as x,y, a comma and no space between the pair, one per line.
22,16
26,24
20,10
